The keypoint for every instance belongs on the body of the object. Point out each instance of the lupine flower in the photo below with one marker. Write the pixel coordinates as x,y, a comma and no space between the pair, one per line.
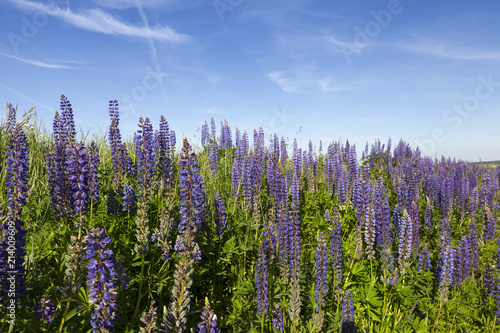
348,313
45,309
474,202
208,322
225,137
220,214
17,170
277,319
490,224
115,139
295,302
78,176
463,262
175,318
204,134
329,173
294,227
102,280
213,129
424,259
192,195
56,161
382,216
214,157
446,267
149,319
405,240
321,285
283,150
492,286
428,215
165,155
321,271
94,162
146,158
369,220
473,243
128,198
336,246
75,261
261,276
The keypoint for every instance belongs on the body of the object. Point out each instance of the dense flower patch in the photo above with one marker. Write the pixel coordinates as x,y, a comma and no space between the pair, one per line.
109,235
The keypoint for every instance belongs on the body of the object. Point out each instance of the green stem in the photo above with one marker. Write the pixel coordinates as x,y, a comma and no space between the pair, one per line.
437,319
64,315
91,213
140,288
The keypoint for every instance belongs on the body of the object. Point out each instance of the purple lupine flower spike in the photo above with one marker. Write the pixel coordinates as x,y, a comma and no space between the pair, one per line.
220,214
78,176
128,198
348,313
208,322
335,246
45,309
94,162
192,197
321,284
102,280
16,181
445,269
277,320
262,281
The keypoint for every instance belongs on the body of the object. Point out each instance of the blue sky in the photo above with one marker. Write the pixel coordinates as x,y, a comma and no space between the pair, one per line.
424,71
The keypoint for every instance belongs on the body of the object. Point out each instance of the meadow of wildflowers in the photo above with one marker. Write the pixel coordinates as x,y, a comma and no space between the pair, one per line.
225,235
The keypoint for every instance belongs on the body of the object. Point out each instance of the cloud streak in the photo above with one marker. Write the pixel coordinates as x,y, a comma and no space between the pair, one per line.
442,50
99,21
37,62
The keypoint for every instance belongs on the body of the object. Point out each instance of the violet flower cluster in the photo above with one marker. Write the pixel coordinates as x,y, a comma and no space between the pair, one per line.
262,281
220,214
208,322
347,307
45,309
16,181
192,196
102,280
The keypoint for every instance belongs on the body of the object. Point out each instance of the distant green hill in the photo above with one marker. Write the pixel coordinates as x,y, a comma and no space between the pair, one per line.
489,162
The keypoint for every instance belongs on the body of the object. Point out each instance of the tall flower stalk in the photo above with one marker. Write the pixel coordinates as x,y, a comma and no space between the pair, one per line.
102,280
191,219
12,246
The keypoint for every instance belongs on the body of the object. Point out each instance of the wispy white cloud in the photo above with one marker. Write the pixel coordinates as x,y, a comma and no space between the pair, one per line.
296,83
99,21
287,84
20,94
145,21
212,110
126,4
374,119
328,84
439,49
37,62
